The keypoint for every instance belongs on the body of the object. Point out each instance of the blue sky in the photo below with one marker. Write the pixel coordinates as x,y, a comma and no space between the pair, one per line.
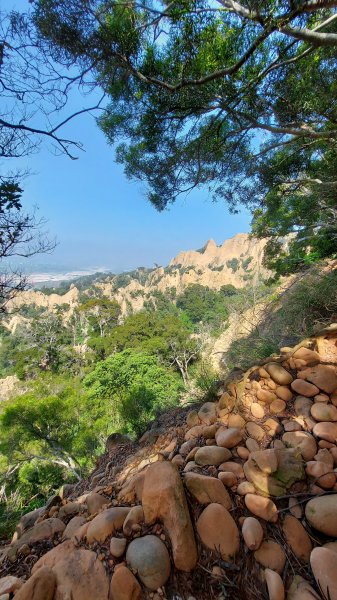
101,219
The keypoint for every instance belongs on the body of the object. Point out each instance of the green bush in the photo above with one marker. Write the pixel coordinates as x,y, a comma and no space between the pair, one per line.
30,487
310,303
245,263
138,408
245,352
12,510
201,304
206,378
39,478
233,264
229,290
113,381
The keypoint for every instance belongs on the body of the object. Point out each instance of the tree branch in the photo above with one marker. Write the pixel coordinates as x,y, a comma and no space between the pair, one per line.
310,36
197,82
313,5
238,9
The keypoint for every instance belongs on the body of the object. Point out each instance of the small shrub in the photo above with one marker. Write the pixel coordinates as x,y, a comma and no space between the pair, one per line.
245,263
206,379
138,409
233,264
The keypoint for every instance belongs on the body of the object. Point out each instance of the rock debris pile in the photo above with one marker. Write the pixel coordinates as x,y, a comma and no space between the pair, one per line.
235,499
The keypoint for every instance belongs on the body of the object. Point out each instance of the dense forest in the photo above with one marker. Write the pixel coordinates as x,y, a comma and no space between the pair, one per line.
88,372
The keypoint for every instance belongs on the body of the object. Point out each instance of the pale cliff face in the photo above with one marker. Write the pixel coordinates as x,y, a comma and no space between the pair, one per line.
241,245
51,301
235,262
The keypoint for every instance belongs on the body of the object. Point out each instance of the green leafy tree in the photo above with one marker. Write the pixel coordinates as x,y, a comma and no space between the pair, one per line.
229,290
37,478
54,421
137,408
26,489
235,96
102,314
114,381
49,337
164,335
40,429
44,344
202,304
49,435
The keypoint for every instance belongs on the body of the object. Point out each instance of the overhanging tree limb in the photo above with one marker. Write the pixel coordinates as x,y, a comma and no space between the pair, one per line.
312,37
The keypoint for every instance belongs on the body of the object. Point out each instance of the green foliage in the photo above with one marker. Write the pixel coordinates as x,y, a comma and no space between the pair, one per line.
233,264
55,421
102,314
43,344
31,311
28,489
38,478
229,290
137,408
206,379
60,290
248,351
115,380
50,435
310,303
245,263
120,281
239,100
8,354
201,304
10,195
137,293
12,509
149,332
161,302
46,346
123,279
101,346
165,334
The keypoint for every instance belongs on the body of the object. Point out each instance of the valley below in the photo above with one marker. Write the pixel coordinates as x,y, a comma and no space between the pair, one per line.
209,384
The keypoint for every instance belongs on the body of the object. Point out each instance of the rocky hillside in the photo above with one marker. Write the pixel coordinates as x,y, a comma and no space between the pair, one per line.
233,499
239,248
237,261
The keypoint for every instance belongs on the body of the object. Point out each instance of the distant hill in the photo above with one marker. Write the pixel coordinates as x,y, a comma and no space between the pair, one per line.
236,262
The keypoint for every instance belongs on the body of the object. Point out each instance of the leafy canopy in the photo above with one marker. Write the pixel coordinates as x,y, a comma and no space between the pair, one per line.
102,314
202,304
52,422
235,96
130,378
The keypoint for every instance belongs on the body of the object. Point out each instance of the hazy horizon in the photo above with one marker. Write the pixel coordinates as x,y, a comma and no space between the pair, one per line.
41,271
